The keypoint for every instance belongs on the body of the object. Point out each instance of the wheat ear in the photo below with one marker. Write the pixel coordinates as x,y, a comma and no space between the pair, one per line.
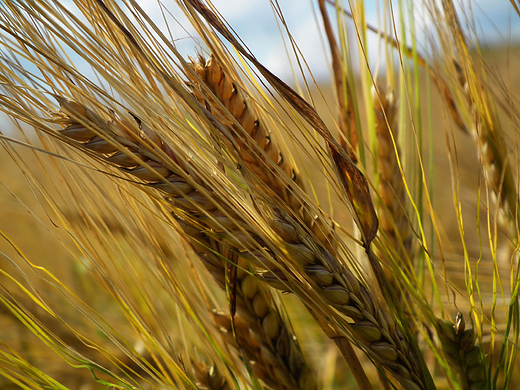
406,365
463,355
244,340
371,325
259,151
278,359
209,378
254,303
486,128
393,221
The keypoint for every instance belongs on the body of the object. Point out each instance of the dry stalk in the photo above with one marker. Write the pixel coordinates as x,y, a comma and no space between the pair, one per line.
258,150
463,355
393,221
255,305
347,119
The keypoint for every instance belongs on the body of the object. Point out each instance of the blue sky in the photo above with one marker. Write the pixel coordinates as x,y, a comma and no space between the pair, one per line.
255,23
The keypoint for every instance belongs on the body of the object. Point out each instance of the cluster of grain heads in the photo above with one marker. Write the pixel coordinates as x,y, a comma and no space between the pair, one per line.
116,142
318,264
462,354
370,324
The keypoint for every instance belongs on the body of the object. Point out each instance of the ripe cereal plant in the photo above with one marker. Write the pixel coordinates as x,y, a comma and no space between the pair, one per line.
192,221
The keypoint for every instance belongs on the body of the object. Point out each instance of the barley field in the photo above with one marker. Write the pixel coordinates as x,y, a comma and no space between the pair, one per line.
173,220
